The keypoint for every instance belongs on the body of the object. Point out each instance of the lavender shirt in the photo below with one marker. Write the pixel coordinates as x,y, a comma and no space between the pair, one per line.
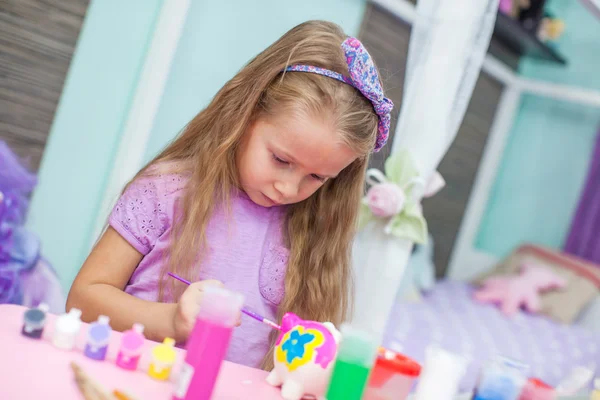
246,253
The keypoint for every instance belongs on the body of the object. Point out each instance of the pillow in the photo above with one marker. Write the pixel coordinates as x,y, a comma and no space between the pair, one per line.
590,316
583,280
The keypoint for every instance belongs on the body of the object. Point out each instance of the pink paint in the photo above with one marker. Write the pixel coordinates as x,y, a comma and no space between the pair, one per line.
51,368
326,352
506,6
132,343
208,344
303,357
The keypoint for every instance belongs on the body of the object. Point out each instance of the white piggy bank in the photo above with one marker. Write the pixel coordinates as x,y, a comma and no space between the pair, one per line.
304,355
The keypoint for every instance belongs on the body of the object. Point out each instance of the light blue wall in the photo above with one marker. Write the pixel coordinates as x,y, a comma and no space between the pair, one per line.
219,37
548,151
88,122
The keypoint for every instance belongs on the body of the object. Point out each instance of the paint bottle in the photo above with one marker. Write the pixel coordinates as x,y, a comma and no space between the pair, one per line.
392,377
596,392
66,329
535,389
355,359
576,381
163,358
208,343
440,375
501,379
98,339
132,342
34,321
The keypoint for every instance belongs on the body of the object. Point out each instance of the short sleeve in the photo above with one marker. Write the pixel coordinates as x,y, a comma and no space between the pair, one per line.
144,212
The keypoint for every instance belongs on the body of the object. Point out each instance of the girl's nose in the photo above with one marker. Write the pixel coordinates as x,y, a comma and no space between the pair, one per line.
287,189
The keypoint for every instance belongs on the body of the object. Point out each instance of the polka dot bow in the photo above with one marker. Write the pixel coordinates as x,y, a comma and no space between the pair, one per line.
364,77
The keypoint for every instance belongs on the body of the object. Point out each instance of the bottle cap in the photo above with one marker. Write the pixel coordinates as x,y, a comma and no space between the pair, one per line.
35,317
75,313
138,328
165,352
99,331
69,323
221,306
357,346
132,340
397,363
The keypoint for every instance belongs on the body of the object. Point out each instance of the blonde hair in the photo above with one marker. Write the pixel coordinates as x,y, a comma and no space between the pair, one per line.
319,231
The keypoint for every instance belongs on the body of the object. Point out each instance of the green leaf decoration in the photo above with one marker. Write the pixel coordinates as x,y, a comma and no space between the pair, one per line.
410,224
400,169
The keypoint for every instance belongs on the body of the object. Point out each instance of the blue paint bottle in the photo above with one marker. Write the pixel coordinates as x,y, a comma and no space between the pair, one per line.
502,379
34,321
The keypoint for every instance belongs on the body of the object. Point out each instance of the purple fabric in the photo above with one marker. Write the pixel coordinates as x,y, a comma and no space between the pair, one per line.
25,278
447,316
246,253
40,284
584,236
365,78
16,182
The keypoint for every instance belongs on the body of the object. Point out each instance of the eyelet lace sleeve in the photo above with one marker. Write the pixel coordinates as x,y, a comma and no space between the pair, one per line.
145,210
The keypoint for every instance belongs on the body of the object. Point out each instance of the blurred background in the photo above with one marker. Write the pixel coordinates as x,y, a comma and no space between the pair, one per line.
90,90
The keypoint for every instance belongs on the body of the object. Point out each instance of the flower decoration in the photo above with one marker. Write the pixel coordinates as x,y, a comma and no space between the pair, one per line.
395,198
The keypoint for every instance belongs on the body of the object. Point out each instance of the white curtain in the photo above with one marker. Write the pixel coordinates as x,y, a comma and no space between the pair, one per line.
449,40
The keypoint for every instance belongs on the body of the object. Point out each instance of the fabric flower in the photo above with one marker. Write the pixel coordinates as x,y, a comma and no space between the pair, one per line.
394,198
385,199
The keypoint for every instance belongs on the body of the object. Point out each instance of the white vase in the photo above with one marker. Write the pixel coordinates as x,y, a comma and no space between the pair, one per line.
379,261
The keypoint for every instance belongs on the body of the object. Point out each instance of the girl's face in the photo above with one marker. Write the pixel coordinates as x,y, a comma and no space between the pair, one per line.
284,160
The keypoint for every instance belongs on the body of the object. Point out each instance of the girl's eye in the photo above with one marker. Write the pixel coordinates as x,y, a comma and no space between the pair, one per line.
319,178
279,160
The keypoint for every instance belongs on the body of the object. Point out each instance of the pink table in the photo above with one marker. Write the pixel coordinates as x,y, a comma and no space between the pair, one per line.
35,369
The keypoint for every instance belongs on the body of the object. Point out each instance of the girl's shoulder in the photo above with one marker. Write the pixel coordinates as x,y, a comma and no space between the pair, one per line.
154,190
164,178
145,210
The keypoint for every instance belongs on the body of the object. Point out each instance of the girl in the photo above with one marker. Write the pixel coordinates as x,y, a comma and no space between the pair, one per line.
260,193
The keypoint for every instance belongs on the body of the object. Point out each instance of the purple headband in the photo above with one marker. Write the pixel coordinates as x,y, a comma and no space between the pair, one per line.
364,77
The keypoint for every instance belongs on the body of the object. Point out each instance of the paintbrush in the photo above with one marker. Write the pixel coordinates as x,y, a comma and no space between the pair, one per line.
92,390
244,310
88,388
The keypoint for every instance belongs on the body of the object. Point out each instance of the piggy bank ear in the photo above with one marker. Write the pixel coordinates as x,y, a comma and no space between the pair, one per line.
336,334
289,320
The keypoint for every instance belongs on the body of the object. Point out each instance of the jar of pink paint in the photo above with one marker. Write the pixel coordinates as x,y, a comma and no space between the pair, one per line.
132,343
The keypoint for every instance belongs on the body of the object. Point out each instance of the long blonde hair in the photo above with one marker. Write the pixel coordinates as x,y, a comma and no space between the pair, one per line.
319,231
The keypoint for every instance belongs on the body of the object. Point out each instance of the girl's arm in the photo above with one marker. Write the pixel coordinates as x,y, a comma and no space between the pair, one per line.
99,288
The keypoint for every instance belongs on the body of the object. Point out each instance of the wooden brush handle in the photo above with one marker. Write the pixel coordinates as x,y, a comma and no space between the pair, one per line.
88,388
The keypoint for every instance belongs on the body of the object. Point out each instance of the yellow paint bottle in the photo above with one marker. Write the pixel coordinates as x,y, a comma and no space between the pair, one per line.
163,358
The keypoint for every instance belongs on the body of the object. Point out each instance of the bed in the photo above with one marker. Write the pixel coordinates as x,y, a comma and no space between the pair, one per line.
446,315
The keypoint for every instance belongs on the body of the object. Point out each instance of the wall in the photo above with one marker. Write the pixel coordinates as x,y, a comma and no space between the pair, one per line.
219,38
86,127
545,162
38,41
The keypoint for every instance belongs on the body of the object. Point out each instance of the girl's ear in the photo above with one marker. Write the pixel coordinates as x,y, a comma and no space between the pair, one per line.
331,328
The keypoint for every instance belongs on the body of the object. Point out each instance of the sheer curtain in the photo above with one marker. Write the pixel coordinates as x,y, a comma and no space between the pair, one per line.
448,43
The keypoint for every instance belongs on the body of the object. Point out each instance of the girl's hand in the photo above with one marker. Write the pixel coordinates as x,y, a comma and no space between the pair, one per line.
188,308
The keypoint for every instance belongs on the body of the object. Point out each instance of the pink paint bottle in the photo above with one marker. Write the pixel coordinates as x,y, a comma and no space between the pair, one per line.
208,344
132,343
